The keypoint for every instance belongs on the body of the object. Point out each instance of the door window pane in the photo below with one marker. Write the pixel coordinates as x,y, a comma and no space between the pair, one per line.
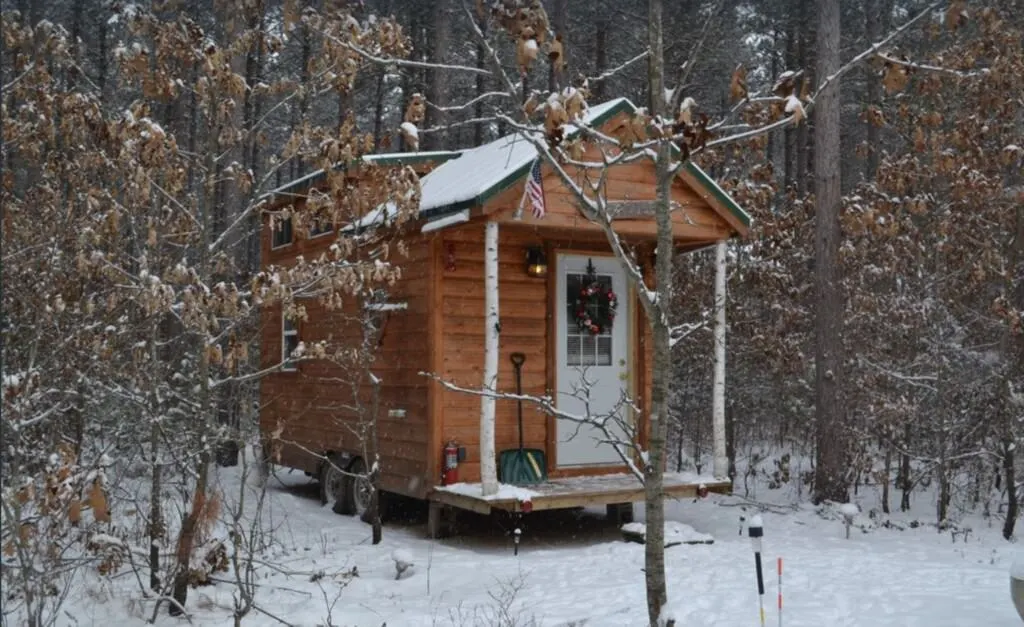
582,347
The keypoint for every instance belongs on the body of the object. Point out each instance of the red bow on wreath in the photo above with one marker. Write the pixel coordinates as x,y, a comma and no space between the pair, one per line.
596,304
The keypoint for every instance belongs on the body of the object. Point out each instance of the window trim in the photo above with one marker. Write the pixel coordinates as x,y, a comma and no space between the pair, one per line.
274,232
287,364
313,235
321,220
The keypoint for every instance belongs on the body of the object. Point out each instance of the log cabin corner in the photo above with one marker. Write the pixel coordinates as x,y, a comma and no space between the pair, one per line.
439,325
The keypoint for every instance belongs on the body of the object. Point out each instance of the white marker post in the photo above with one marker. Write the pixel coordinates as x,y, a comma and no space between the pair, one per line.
756,530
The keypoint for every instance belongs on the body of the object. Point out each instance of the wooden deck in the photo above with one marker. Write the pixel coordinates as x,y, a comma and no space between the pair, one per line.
571,492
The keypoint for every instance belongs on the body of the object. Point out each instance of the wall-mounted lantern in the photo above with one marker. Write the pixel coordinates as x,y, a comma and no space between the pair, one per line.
536,262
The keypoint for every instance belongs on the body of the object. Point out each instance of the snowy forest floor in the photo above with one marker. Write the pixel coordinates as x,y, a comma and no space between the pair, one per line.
574,568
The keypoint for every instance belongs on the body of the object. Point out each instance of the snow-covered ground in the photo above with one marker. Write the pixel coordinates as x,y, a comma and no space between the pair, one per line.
573,568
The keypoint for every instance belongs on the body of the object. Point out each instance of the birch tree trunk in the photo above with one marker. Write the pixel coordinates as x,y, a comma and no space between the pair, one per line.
720,466
488,470
829,476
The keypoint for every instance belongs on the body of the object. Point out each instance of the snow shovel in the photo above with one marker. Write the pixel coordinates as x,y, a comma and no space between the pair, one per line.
522,466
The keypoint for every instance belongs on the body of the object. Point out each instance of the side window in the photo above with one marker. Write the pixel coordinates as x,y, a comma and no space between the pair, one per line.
289,342
282,234
320,226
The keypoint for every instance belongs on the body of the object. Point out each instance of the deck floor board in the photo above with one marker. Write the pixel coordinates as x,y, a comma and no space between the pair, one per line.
569,492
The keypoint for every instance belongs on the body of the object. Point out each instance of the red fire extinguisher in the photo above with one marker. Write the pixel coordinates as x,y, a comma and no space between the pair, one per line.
450,472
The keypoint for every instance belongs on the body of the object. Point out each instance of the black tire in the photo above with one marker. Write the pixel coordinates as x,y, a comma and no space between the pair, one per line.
332,481
358,491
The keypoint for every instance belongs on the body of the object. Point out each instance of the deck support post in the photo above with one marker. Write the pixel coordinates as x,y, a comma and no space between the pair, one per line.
619,513
492,329
440,520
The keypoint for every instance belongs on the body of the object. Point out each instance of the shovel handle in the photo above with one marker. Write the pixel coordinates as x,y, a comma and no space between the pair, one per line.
518,359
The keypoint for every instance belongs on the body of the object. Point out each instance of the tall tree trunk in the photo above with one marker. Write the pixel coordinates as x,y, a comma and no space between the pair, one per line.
886,478
1013,352
559,23
654,503
803,132
600,56
437,89
480,84
730,441
877,23
904,473
829,476
298,166
378,110
188,533
789,157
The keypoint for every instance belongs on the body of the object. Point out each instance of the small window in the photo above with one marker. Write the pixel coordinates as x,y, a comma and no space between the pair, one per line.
289,342
320,226
281,233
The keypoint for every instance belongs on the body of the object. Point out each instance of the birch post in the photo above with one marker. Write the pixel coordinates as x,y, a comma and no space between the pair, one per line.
488,470
721,459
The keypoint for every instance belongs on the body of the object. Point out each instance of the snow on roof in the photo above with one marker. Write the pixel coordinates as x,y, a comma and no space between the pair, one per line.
299,187
478,170
469,177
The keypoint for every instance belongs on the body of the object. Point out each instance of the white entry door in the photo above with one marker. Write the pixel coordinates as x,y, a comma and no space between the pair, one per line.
603,359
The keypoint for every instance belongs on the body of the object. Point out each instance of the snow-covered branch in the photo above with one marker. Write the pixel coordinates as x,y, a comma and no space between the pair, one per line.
603,421
609,73
921,381
809,105
927,68
680,332
392,61
461,107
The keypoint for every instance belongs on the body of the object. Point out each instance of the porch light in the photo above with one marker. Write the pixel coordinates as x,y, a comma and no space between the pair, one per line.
536,262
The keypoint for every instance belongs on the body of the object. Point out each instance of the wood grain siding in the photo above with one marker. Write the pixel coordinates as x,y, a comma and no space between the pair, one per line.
314,405
523,311
693,220
526,306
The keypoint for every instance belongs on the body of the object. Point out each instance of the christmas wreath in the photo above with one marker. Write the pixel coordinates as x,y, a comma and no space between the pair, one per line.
595,306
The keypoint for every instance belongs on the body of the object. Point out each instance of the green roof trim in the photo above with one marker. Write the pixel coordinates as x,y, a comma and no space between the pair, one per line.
406,158
712,187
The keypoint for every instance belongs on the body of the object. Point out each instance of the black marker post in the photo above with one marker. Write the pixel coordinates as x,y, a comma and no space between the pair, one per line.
756,530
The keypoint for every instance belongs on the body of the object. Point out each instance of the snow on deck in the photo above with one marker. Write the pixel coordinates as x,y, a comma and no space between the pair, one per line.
572,491
506,492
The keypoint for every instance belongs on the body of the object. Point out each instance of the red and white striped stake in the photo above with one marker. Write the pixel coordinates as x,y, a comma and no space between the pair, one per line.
780,590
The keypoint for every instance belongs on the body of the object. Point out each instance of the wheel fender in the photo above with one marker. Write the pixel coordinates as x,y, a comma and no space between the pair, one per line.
344,459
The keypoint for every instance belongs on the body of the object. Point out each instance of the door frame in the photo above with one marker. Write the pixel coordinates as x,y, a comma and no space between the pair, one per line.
634,348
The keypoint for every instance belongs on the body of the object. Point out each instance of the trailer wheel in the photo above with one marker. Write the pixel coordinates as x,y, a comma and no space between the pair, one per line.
359,492
332,481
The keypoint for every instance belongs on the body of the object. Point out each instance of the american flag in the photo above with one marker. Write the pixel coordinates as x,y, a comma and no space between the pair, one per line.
534,191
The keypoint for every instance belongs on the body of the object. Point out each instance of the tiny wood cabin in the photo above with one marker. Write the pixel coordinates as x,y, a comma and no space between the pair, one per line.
442,329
